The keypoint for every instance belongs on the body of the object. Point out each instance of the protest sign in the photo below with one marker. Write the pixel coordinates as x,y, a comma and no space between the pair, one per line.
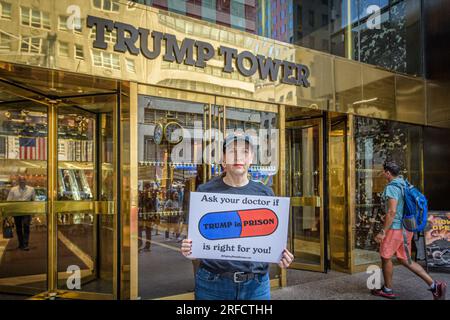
238,227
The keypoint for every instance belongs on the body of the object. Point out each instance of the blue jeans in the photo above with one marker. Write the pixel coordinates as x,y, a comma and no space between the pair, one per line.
211,286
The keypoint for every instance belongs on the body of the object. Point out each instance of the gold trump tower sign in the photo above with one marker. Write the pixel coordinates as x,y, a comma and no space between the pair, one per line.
129,38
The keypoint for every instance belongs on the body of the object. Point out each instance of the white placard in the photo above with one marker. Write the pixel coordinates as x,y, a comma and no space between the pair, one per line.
238,227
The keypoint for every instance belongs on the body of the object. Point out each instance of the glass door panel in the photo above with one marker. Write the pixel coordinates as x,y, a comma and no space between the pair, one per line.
304,177
339,219
176,153
86,187
23,195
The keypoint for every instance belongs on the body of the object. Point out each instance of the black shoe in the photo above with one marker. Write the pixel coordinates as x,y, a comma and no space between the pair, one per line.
25,248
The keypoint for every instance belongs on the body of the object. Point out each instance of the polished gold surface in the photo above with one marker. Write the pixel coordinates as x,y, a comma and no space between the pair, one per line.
348,82
336,85
410,99
438,108
52,223
351,194
246,104
12,208
282,174
305,187
306,201
133,220
337,202
128,193
330,76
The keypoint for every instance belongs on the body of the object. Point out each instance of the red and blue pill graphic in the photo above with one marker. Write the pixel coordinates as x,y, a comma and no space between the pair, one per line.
238,224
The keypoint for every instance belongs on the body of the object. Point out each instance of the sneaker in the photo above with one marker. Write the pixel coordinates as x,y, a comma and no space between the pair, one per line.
439,292
384,294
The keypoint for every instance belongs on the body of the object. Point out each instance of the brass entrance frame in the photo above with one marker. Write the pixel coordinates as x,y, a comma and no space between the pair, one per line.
310,201
52,206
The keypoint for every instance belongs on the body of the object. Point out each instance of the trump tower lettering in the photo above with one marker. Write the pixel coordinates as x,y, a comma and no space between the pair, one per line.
238,227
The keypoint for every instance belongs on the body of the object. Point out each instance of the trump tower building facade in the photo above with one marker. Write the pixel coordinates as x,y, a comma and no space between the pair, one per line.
111,112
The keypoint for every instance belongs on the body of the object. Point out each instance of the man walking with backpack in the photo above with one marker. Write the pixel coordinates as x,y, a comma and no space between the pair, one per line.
394,239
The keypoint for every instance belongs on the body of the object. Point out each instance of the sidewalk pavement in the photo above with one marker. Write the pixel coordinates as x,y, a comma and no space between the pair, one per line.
307,285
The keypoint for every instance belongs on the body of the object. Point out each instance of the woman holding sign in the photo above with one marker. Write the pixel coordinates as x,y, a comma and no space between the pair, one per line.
226,279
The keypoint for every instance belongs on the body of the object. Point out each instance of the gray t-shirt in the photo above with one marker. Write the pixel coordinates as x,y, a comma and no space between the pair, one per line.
217,185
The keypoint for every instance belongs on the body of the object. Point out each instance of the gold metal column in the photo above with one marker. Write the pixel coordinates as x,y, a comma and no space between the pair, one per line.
52,221
282,170
349,30
351,195
128,226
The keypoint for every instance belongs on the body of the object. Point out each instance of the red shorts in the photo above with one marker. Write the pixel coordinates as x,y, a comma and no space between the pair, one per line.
392,244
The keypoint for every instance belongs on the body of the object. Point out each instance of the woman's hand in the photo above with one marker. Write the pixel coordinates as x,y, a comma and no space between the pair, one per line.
286,259
186,248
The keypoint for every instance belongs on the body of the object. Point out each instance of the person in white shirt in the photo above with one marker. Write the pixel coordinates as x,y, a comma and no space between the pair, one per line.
22,192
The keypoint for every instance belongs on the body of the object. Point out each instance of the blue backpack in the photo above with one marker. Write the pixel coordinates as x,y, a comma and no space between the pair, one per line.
415,210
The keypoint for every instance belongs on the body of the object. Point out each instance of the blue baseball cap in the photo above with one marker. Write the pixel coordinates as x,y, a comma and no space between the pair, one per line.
230,139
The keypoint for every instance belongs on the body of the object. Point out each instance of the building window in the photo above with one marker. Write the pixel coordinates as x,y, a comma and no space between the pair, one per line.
106,60
62,23
79,53
24,16
31,45
76,27
5,43
107,5
63,49
110,37
34,18
131,66
5,10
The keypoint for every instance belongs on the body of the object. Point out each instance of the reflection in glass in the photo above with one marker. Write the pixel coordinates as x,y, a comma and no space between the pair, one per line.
23,192
377,141
75,154
378,32
338,213
302,150
175,155
262,127
86,226
170,166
